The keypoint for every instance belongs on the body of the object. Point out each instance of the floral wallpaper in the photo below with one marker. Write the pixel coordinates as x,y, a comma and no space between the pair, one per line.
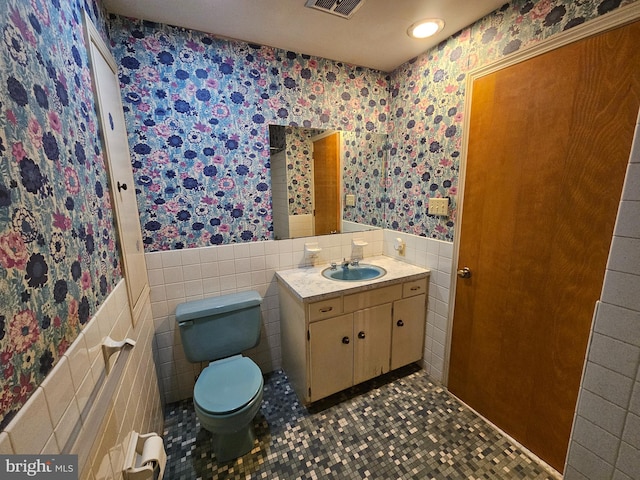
364,157
198,110
299,154
58,258
427,98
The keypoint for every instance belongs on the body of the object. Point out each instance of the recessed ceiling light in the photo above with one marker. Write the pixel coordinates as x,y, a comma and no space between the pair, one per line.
425,28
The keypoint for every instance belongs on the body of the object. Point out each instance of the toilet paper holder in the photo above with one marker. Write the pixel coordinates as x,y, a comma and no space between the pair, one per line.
145,457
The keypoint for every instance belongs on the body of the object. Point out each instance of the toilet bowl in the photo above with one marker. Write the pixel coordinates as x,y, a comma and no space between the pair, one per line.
228,393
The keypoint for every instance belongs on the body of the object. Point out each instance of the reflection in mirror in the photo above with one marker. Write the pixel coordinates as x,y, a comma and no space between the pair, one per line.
326,181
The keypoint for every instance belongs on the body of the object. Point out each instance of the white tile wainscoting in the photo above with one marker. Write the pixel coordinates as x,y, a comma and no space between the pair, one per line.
177,276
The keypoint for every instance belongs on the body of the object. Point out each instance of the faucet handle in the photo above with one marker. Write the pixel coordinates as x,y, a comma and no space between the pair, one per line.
334,265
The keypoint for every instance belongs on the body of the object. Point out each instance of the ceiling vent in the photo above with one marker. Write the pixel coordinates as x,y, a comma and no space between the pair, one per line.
341,8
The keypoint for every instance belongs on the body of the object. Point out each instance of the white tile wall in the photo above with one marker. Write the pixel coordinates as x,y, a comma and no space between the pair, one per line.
232,268
605,441
58,411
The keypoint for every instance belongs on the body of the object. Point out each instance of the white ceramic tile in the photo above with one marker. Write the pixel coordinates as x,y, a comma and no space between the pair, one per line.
631,433
157,293
617,322
446,249
5,444
156,277
69,423
241,250
51,447
444,264
190,256
243,280
634,157
631,189
615,355
271,247
153,260
595,439
210,270
171,258
601,412
227,283
571,473
621,289
629,460
192,272
243,265
608,384
31,428
173,274
624,255
79,360
58,390
627,224
225,252
617,475
208,254
227,267
588,463
634,405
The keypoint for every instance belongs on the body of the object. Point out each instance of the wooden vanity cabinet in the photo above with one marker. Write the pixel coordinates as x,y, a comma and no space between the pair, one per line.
332,344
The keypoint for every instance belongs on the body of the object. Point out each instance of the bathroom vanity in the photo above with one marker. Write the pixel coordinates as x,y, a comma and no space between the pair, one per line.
336,334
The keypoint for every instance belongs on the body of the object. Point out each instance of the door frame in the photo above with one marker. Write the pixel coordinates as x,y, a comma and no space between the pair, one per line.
136,302
610,21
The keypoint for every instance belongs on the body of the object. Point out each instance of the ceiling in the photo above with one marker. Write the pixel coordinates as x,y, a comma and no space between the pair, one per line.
375,36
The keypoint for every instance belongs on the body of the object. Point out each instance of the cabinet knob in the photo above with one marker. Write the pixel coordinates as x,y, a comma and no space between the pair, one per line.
345,340
400,323
360,334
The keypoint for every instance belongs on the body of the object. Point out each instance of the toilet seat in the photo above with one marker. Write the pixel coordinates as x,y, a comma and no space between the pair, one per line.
227,385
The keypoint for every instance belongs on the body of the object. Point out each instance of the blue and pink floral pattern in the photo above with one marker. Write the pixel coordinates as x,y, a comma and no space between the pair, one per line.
198,110
58,258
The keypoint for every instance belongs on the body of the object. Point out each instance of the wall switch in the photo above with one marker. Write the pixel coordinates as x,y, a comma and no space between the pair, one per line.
439,206
350,200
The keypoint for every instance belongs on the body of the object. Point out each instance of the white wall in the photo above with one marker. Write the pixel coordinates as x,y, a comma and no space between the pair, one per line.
605,441
177,276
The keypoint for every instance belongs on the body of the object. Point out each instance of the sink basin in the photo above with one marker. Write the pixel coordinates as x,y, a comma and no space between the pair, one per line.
354,274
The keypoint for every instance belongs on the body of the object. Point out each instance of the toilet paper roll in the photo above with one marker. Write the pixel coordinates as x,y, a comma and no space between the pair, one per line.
152,451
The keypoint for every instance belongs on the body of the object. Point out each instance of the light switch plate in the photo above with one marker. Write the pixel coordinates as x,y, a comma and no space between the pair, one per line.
439,206
350,200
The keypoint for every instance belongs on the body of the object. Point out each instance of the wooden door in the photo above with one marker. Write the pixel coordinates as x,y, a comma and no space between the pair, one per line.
330,355
326,184
549,142
372,342
408,331
123,190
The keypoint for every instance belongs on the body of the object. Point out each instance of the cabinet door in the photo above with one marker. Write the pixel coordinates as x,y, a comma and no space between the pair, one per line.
372,342
330,356
409,321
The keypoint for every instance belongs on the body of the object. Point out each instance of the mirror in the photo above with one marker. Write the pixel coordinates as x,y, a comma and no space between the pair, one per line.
326,181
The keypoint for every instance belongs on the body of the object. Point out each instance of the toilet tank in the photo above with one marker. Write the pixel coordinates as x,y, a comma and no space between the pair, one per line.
219,327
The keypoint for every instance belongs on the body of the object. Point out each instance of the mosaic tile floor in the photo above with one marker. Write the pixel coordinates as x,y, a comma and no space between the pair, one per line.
399,426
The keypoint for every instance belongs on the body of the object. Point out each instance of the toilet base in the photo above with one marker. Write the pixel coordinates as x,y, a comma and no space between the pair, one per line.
228,446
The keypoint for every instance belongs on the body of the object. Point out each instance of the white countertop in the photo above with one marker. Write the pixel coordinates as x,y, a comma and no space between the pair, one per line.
308,284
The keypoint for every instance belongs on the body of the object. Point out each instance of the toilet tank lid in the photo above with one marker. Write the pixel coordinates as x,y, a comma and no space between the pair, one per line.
217,305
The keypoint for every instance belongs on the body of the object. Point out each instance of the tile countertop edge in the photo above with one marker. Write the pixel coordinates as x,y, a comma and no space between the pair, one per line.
308,285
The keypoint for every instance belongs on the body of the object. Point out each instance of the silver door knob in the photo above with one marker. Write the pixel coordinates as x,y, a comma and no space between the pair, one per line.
464,272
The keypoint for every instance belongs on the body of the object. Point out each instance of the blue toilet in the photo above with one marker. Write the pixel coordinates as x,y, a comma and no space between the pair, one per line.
228,393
